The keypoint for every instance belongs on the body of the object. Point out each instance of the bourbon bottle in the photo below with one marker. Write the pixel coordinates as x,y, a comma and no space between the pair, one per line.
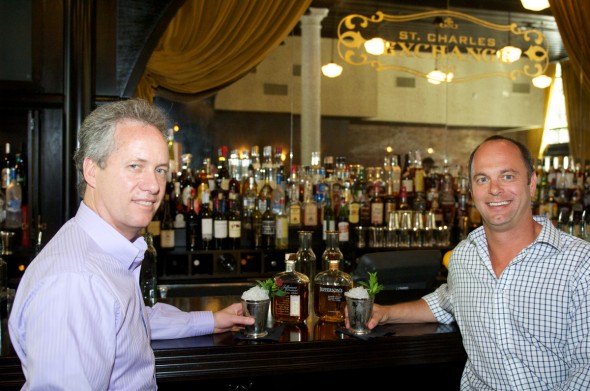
329,288
292,307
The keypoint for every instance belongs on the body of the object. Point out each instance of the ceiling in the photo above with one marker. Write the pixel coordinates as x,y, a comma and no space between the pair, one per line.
502,12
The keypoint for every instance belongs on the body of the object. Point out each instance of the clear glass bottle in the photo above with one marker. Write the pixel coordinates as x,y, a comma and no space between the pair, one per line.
148,277
332,250
294,306
306,259
329,288
14,197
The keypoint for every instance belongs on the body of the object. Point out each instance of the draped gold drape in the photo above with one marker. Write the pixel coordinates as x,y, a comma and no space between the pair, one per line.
577,97
572,18
211,44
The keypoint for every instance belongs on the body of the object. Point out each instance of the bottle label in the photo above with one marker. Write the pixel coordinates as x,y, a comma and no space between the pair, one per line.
310,217
282,229
377,214
207,229
294,305
235,229
295,215
268,227
167,238
343,231
220,229
354,213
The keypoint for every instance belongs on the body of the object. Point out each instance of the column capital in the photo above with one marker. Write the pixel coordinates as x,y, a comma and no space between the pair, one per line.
314,17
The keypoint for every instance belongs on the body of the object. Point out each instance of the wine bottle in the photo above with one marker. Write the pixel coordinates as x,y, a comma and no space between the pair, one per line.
234,226
269,227
220,223
167,234
193,228
206,222
148,276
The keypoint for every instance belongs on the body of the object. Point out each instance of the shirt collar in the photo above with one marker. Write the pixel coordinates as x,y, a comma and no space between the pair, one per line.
549,234
129,254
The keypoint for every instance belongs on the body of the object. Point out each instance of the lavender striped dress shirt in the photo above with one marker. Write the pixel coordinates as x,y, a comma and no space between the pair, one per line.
78,321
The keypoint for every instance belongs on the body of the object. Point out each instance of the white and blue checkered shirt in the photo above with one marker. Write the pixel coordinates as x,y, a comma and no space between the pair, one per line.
529,329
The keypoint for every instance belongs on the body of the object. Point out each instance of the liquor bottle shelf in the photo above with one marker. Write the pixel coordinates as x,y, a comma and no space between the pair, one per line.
245,264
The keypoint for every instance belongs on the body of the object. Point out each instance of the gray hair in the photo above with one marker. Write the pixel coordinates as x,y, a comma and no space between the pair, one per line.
96,137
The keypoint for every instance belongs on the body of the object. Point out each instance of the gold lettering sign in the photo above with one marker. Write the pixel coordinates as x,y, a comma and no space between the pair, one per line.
453,38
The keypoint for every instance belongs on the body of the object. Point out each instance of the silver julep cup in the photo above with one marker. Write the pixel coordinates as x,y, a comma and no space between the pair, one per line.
359,313
257,309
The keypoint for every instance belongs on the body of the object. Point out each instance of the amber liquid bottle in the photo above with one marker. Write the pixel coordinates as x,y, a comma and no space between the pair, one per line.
294,306
329,288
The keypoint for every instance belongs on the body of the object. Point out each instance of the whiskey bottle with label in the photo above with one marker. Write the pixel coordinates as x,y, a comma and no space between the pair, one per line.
294,306
329,288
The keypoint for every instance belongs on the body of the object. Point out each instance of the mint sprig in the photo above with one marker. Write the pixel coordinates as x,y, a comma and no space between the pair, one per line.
274,288
373,286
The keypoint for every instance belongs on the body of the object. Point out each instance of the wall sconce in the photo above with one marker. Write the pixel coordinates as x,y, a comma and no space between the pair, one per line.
535,5
542,81
375,46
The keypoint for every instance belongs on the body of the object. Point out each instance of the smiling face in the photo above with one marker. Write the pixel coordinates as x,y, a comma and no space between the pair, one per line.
499,186
127,192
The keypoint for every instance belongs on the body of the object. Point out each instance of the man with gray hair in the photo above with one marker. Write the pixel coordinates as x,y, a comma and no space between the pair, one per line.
78,320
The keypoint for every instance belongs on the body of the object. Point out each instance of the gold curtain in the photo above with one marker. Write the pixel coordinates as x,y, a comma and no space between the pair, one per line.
572,18
577,97
208,45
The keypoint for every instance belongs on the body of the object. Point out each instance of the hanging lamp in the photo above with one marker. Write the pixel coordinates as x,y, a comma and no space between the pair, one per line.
332,69
535,5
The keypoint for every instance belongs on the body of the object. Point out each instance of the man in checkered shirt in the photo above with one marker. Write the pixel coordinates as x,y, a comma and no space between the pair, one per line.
517,287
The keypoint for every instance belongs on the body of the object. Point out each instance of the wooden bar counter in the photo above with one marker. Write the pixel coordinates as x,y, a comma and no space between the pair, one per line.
422,355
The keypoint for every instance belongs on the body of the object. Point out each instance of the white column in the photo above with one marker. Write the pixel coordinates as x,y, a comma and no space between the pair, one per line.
311,62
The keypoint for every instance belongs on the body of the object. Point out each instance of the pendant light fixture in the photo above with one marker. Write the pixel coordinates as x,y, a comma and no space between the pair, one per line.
332,69
535,5
437,76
